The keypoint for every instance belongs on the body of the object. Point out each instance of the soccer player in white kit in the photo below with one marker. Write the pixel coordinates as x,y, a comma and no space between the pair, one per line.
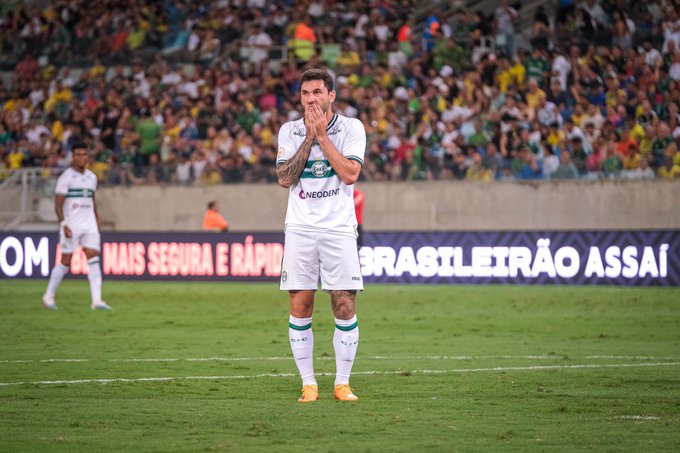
78,218
319,159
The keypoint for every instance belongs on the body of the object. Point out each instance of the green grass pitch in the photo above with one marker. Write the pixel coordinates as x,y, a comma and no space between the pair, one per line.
179,367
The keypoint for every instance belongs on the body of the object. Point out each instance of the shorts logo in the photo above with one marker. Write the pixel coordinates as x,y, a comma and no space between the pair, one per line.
284,276
319,169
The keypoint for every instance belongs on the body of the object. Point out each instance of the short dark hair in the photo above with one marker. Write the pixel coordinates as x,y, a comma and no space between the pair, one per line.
211,204
78,145
318,74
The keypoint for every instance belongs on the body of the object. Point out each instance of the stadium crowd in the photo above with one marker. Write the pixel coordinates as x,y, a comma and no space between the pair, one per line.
190,92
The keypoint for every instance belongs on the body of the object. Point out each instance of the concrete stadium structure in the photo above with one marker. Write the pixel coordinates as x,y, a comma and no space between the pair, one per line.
436,206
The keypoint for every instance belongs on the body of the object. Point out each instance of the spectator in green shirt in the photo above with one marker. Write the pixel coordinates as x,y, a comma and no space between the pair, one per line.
448,53
150,140
480,138
537,67
612,164
567,169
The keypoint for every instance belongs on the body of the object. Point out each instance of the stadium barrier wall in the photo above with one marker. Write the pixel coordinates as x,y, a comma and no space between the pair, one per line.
413,206
640,258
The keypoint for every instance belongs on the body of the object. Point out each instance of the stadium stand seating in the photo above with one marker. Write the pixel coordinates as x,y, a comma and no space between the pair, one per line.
178,92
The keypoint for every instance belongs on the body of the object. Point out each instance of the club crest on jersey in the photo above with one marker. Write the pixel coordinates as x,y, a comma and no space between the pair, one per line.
319,169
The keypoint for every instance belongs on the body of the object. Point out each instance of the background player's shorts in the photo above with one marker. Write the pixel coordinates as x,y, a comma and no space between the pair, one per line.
310,255
86,239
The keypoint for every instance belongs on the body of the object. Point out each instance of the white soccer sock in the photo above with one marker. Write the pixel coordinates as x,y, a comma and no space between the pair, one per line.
302,344
56,277
345,342
94,275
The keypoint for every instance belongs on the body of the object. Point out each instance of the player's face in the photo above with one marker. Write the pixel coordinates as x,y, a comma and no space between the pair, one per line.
80,158
315,92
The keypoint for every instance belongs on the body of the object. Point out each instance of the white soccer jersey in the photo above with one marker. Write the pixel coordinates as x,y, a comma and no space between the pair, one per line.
320,200
79,189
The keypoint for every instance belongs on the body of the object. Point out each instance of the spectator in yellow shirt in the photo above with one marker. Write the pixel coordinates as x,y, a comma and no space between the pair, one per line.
15,158
57,129
555,136
97,69
518,72
669,170
504,75
62,94
477,171
534,94
137,36
348,60
631,161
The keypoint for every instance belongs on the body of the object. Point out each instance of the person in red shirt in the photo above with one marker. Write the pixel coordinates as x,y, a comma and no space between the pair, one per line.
404,37
27,68
359,211
213,220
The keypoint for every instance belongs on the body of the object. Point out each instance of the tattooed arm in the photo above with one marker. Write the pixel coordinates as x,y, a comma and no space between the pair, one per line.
288,173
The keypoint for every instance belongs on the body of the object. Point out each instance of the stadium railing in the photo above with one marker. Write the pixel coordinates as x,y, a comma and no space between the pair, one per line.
26,197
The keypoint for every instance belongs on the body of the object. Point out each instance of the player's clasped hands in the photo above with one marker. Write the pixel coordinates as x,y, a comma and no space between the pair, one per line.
309,124
315,120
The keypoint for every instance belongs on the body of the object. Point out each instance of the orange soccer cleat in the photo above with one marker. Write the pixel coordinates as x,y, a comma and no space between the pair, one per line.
343,392
309,393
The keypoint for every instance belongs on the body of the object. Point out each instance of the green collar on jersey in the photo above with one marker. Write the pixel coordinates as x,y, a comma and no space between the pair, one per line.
332,122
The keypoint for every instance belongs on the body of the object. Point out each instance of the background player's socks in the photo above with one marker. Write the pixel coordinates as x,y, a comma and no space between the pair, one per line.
94,275
302,344
345,342
56,277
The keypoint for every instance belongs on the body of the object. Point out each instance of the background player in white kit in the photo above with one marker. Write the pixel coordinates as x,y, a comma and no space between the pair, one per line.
319,159
76,210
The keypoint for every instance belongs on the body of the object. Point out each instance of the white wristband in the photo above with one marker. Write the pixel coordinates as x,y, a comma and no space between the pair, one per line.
62,224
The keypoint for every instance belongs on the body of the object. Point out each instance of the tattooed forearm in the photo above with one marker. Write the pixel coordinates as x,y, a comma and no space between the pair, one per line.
288,173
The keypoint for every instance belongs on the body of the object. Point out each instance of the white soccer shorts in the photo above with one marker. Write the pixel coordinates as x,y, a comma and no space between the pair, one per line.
311,256
87,239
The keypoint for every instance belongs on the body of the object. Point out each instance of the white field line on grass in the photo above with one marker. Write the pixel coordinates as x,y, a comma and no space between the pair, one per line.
377,357
629,357
639,417
366,373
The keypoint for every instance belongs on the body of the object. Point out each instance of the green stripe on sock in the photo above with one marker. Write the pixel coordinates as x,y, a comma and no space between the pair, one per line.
346,328
305,327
